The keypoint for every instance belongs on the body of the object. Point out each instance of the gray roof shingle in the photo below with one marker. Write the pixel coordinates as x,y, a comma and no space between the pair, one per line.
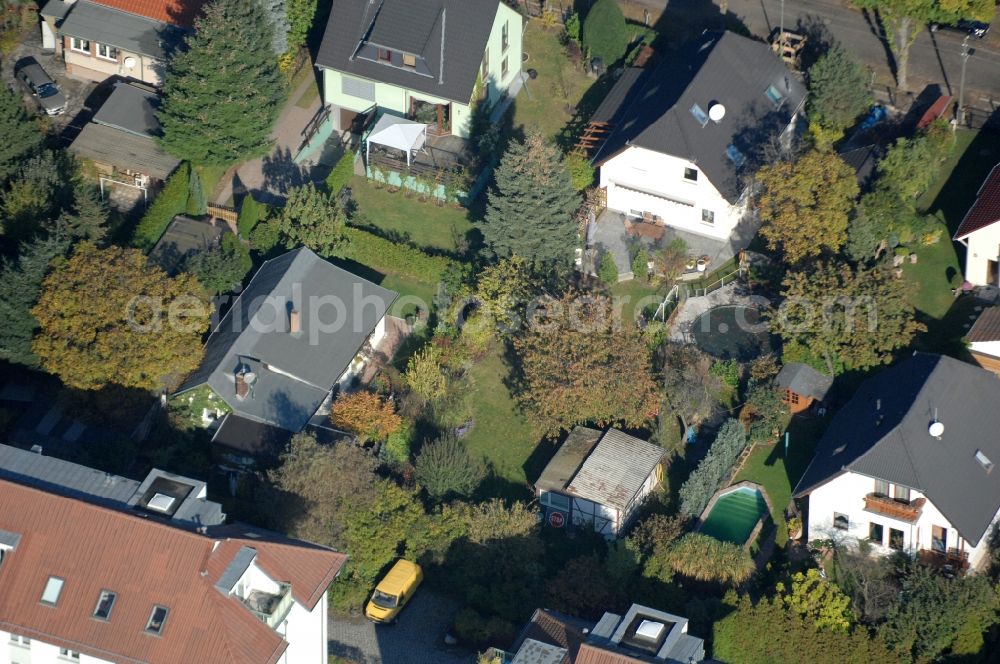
413,26
803,379
718,67
132,108
616,469
883,432
65,478
129,32
125,150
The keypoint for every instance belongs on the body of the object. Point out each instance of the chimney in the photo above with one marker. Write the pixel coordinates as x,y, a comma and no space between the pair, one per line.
294,322
242,389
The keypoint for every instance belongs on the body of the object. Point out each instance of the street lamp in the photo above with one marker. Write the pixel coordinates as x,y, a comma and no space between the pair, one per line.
966,52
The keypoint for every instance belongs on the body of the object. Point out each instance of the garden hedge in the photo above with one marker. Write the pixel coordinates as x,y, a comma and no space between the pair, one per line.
341,173
169,203
387,256
707,477
251,213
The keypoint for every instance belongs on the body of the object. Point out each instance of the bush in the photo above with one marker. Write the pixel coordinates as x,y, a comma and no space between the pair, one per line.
573,28
706,478
640,264
604,33
265,237
581,173
196,205
398,446
445,468
704,558
607,271
341,173
387,256
252,212
474,629
169,203
221,268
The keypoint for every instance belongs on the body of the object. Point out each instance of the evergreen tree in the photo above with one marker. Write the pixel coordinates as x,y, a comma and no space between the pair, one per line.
42,189
530,212
277,13
221,268
20,285
300,15
196,205
223,91
20,134
88,218
605,34
838,91
312,218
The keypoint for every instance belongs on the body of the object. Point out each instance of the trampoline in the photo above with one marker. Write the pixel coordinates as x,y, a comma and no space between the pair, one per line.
733,332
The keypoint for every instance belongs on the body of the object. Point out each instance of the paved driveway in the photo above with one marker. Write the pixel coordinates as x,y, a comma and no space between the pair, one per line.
417,638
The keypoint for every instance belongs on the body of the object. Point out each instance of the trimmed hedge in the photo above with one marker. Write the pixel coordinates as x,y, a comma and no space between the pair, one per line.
251,213
341,173
169,203
604,32
707,477
387,256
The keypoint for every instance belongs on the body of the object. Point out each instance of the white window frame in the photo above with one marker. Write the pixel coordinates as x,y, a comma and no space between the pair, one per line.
74,45
163,621
108,48
505,37
710,214
836,521
70,655
22,641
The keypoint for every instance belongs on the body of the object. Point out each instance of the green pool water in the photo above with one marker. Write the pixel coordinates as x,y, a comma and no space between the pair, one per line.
734,515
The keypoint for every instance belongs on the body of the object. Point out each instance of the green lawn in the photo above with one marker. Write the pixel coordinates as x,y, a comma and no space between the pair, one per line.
422,223
210,176
501,434
635,295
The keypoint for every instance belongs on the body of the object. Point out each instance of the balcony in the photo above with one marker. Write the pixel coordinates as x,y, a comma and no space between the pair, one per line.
894,509
270,609
949,561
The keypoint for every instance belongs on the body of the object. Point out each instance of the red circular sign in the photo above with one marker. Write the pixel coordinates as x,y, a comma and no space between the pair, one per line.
557,519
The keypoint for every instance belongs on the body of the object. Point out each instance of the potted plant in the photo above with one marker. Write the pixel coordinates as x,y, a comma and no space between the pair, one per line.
794,528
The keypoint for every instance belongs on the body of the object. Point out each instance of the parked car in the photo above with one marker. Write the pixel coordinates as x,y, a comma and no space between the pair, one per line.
976,29
34,79
393,592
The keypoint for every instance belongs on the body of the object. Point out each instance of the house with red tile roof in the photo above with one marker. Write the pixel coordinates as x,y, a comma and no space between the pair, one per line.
980,233
91,582
130,38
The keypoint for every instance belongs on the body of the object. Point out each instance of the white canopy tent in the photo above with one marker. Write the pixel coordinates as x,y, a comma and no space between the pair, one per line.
399,133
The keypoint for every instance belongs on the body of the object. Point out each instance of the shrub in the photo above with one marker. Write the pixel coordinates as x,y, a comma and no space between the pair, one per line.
474,629
222,267
604,32
704,558
169,203
445,468
252,212
706,478
397,448
728,371
640,264
581,173
341,173
573,28
365,415
196,205
265,237
387,256
607,271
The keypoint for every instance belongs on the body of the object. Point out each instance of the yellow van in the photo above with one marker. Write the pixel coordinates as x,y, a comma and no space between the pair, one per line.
394,591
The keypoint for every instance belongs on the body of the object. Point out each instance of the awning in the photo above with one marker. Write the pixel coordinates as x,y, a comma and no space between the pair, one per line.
651,196
399,133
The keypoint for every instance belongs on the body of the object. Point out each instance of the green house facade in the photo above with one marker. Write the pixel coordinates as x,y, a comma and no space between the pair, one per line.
430,60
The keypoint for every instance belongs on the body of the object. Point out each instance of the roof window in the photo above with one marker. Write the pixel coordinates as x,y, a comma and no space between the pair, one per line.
105,602
53,588
160,502
156,620
699,115
735,155
775,96
984,461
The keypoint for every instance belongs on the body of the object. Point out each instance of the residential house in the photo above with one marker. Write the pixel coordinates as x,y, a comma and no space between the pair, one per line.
907,465
642,636
980,233
599,480
801,386
984,340
130,38
679,141
301,328
90,577
431,60
121,139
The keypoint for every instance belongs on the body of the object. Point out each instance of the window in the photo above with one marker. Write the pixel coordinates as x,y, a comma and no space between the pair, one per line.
79,45
556,500
875,533
53,587
484,71
503,66
691,174
355,87
105,602
791,398
939,539
107,52
901,494
735,155
699,115
841,521
504,36
881,488
22,641
69,654
409,60
775,96
156,620
384,55
896,539
707,217
984,461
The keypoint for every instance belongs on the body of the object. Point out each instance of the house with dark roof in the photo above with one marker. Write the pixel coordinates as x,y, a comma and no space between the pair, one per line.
431,60
301,328
91,582
130,38
681,139
121,138
599,480
907,465
984,340
980,233
800,386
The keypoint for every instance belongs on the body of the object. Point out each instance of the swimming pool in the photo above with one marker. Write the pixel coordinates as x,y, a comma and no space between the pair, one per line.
734,514
733,332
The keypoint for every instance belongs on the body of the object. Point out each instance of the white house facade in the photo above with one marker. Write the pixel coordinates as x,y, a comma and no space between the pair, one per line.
980,233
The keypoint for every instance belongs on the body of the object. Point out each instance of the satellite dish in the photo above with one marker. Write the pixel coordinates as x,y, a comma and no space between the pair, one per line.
935,429
716,112
129,62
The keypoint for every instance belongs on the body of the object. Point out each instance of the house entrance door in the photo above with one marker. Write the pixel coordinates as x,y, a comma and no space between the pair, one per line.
992,273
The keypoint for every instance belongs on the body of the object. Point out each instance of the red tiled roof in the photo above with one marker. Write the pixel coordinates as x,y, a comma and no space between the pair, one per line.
987,326
591,655
145,562
986,210
177,12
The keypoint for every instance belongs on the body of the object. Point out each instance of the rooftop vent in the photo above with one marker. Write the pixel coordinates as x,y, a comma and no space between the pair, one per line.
716,112
650,629
161,502
984,461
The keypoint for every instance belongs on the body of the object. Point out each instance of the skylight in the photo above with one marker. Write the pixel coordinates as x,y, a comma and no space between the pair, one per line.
105,602
161,502
775,96
156,620
699,115
649,629
735,155
984,461
53,587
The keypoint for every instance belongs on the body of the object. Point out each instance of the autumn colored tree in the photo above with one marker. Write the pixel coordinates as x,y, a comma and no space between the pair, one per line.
852,317
108,316
365,415
805,205
503,290
578,364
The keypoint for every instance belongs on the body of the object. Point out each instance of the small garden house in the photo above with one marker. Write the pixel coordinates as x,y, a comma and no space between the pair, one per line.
801,386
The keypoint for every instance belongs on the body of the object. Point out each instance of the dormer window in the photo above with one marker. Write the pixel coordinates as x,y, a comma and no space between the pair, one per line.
53,588
385,55
156,620
775,96
409,60
105,602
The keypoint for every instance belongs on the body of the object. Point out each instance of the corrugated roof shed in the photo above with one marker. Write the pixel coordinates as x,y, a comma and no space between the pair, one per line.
616,469
986,210
986,327
124,150
561,469
803,379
